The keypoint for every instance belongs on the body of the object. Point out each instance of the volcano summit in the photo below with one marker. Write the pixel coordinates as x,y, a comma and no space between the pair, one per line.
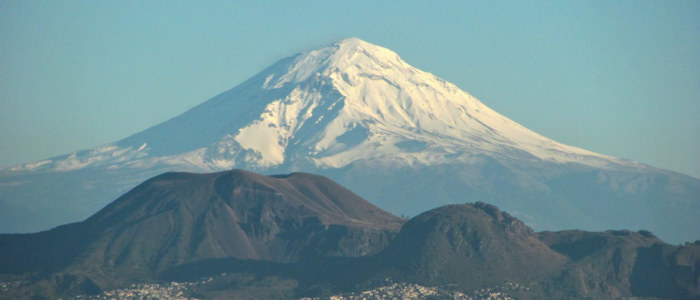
401,137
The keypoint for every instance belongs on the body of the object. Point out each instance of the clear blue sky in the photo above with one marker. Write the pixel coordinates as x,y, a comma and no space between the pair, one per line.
617,77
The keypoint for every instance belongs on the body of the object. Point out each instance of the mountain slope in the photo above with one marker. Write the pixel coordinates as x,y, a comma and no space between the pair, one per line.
357,113
180,218
254,236
477,246
477,249
474,246
614,264
336,105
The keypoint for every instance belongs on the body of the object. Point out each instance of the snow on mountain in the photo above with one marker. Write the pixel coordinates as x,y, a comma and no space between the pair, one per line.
398,136
346,102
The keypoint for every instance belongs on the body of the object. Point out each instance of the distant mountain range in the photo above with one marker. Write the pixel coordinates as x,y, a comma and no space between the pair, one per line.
401,137
255,236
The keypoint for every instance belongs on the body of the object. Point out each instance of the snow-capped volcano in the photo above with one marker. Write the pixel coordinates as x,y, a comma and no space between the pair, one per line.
330,107
398,136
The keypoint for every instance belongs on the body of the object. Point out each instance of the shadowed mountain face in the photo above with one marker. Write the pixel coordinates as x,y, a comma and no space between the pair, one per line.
180,218
243,215
475,246
472,245
615,264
